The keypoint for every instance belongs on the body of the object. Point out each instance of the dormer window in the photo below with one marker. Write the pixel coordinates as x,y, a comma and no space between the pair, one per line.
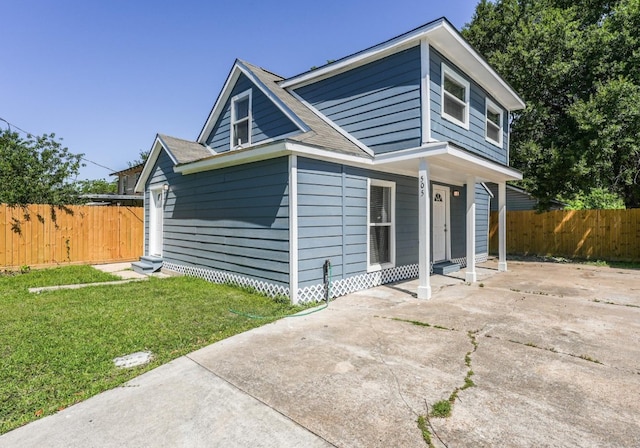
455,97
493,127
241,120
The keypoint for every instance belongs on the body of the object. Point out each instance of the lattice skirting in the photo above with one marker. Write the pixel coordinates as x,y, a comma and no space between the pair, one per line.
315,293
480,258
214,276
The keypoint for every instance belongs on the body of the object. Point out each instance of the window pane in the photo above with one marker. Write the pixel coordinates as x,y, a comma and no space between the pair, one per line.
379,242
242,109
241,133
380,204
493,117
454,88
493,132
453,108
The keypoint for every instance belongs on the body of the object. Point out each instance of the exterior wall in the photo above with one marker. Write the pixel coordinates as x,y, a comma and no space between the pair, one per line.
482,220
267,120
233,219
472,139
515,199
378,103
332,219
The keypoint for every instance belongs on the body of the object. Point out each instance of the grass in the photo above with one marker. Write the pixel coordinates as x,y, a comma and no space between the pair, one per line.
56,348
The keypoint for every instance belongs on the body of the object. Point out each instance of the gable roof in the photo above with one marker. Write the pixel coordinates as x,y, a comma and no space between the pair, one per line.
442,36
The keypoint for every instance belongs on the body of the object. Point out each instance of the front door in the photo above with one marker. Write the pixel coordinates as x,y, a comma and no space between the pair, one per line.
440,223
155,221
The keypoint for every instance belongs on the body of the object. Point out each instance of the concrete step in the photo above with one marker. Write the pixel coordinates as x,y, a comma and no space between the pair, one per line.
445,267
147,265
156,262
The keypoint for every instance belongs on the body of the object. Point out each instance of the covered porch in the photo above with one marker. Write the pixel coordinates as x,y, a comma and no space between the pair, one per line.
449,164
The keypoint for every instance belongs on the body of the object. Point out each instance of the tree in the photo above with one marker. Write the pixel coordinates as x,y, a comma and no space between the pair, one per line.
142,158
36,170
577,65
97,186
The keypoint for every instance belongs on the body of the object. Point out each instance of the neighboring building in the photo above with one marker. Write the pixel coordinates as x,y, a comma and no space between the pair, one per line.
375,162
519,199
128,178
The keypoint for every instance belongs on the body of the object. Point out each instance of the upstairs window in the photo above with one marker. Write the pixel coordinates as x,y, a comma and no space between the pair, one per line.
381,234
455,97
493,127
241,120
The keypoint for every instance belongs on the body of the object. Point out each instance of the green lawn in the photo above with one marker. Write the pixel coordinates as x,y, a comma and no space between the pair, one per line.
56,348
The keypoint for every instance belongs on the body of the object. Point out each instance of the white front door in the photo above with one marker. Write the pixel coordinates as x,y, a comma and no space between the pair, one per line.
440,223
155,221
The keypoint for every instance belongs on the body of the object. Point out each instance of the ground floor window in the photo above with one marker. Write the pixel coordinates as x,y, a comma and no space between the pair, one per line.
381,231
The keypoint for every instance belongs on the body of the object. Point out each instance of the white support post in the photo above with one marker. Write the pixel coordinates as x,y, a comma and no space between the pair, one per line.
502,227
293,228
470,275
424,231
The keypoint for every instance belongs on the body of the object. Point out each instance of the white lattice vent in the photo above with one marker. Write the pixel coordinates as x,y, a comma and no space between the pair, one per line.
360,282
211,275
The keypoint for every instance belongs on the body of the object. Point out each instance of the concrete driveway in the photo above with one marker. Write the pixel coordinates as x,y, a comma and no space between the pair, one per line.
556,363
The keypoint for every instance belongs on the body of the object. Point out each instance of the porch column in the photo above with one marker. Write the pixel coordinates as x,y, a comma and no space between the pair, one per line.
502,226
424,231
470,276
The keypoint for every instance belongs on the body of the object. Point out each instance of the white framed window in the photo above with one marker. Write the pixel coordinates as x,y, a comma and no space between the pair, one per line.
493,126
455,97
381,235
241,120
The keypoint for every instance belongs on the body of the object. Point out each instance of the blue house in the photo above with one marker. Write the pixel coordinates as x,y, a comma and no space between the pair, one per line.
376,162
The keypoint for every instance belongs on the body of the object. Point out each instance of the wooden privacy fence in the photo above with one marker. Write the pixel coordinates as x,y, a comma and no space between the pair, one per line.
587,234
41,235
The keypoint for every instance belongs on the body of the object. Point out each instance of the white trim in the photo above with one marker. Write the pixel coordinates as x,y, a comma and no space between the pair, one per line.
232,119
425,91
437,150
502,226
145,236
470,275
293,228
156,221
446,39
392,225
158,145
274,99
448,72
331,123
424,230
490,106
487,189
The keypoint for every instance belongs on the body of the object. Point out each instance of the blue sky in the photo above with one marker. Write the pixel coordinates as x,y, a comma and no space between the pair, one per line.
106,76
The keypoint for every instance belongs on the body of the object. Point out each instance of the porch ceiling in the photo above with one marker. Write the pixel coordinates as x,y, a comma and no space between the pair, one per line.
447,164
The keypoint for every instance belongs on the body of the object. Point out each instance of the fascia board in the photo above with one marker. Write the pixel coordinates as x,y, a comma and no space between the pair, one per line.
274,99
158,145
446,39
362,57
216,110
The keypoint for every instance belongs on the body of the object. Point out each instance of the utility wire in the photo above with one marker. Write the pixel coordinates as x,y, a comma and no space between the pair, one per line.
10,125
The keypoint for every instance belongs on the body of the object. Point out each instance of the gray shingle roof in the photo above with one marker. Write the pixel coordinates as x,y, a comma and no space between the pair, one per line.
321,134
184,151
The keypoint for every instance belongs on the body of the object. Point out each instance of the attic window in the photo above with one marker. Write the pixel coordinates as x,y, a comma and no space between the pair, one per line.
493,126
455,97
241,120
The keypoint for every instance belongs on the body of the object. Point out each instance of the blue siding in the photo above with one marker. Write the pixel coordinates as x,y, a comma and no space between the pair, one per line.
472,139
233,219
267,120
332,219
515,199
378,103
482,220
